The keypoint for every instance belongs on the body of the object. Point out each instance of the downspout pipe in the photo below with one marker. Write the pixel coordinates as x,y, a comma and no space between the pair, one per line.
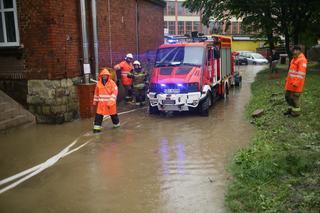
85,48
95,36
110,34
137,30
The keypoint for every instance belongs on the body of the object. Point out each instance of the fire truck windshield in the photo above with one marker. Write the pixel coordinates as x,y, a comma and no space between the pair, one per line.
175,56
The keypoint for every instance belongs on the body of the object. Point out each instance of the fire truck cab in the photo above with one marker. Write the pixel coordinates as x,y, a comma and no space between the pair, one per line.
191,76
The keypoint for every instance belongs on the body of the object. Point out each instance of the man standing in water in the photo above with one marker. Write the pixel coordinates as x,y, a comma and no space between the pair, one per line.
125,67
105,98
295,81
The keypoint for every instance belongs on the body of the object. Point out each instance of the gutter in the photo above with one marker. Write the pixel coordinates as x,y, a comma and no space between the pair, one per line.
95,36
85,48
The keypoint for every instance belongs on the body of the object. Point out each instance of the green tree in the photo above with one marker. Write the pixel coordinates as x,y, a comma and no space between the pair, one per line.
295,20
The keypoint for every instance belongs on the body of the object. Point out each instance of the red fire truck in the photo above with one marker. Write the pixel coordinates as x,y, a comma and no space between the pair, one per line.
191,75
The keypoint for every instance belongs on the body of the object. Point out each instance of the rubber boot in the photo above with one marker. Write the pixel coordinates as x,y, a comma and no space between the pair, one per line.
288,112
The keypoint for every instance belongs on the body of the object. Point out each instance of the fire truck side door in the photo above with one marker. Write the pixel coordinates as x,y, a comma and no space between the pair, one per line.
217,62
210,68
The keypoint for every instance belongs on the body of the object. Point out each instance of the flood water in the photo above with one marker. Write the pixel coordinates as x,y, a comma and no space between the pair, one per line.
151,164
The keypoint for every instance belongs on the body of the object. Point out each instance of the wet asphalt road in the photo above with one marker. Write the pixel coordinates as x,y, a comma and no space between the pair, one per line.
151,164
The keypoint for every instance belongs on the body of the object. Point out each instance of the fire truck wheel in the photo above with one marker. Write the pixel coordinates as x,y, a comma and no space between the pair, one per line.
153,110
204,107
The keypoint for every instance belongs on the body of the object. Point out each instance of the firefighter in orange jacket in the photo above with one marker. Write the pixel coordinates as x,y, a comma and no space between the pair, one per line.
295,81
105,98
125,67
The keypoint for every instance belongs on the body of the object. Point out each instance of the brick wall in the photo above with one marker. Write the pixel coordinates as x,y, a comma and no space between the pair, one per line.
50,34
151,26
51,48
123,29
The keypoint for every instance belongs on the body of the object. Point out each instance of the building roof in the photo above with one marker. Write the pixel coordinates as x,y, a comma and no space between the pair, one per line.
158,2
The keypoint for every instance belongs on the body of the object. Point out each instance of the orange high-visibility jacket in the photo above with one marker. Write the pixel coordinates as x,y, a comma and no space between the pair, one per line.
125,70
297,73
106,95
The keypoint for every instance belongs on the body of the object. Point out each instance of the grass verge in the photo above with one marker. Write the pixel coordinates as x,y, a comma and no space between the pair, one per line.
280,170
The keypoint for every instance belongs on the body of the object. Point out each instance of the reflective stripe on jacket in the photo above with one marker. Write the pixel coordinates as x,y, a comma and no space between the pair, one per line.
296,74
106,95
139,79
125,70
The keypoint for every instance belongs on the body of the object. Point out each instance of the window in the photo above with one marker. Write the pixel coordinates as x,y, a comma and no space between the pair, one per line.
171,8
180,9
188,27
217,27
180,27
234,27
196,26
9,34
179,55
172,27
243,30
227,29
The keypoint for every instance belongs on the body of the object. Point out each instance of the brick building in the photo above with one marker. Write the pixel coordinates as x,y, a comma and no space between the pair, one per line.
42,47
180,21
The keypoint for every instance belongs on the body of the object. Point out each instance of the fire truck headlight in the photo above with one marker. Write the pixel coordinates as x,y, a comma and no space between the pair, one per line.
163,85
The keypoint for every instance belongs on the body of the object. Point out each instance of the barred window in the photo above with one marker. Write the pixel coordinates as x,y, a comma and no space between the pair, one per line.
9,32
188,27
180,27
172,27
234,27
171,8
196,26
180,9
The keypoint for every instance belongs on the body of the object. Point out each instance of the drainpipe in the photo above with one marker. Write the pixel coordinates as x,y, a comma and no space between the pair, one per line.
137,30
95,36
110,28
84,38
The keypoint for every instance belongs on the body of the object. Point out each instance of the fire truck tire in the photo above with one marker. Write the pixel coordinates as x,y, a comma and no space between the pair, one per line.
153,110
204,107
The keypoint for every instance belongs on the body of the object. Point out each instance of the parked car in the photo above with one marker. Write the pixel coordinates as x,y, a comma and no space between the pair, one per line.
240,60
254,58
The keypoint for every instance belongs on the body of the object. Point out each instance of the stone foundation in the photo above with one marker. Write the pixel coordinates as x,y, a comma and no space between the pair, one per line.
53,101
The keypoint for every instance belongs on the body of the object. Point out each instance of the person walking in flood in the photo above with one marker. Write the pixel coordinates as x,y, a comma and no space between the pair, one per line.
139,83
105,98
123,69
295,82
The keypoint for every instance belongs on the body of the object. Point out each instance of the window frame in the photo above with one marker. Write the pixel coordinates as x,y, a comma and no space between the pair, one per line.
187,25
5,43
171,11
180,9
181,28
172,31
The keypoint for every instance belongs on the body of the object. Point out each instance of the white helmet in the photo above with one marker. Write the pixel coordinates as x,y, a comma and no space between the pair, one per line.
129,55
137,63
